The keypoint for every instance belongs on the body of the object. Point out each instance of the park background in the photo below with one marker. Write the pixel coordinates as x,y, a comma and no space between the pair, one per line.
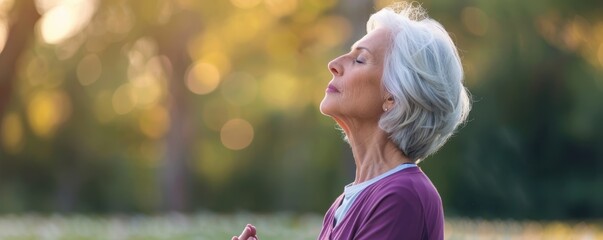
203,115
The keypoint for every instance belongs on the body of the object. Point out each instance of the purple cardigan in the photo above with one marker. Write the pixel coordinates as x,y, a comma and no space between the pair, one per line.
404,205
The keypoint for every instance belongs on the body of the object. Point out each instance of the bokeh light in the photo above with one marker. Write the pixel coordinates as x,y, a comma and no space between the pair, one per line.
475,20
63,19
219,59
47,110
154,122
97,87
12,133
3,34
89,69
243,27
245,3
202,78
124,99
236,134
600,54
282,91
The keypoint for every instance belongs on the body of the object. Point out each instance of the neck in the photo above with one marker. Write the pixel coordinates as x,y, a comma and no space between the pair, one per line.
374,154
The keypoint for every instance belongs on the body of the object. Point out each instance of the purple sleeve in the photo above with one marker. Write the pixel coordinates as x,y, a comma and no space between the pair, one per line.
394,217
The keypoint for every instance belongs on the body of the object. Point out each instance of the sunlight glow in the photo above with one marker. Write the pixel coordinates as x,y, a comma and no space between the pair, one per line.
149,93
64,19
236,134
281,90
89,69
5,9
12,133
219,60
46,111
154,122
331,31
600,54
202,78
475,20
3,34
124,100
280,8
244,27
245,3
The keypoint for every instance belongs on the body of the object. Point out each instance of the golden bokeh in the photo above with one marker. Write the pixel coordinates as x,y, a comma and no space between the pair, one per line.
281,91
64,19
279,8
240,28
202,78
331,31
6,6
208,42
124,99
147,90
3,33
219,59
154,122
600,54
47,110
89,69
245,3
282,44
475,20
12,133
37,71
236,134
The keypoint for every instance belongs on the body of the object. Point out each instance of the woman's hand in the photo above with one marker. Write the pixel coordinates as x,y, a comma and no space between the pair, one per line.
247,234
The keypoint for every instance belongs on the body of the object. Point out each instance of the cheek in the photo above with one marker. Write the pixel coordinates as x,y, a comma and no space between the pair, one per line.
365,96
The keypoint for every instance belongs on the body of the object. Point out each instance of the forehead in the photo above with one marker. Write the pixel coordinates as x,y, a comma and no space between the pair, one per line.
376,40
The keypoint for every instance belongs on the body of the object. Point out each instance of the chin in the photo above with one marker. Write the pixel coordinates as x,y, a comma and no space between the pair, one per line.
325,108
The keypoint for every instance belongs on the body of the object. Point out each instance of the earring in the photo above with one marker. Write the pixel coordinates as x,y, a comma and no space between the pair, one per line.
386,109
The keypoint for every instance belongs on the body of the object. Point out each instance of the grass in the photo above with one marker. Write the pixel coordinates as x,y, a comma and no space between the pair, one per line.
270,227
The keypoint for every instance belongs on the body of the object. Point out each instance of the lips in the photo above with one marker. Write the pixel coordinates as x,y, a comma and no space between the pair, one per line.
332,89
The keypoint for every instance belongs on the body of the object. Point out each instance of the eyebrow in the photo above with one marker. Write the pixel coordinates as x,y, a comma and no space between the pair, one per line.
359,48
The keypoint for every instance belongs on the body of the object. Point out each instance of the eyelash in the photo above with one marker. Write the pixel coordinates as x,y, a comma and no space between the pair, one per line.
358,61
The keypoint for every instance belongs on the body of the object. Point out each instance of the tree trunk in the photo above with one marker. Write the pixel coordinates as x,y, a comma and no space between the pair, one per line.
19,36
175,175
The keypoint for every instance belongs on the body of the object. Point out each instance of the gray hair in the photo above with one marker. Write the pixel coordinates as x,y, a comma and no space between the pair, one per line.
424,75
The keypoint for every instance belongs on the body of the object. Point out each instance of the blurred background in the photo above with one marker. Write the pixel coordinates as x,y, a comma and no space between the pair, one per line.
155,106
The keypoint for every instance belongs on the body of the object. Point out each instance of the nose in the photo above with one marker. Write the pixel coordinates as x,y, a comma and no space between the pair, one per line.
335,67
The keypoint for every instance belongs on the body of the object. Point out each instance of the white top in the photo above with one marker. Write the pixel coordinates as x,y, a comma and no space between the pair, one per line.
351,191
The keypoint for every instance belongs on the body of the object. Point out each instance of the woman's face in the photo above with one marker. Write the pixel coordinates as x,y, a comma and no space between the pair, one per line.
356,92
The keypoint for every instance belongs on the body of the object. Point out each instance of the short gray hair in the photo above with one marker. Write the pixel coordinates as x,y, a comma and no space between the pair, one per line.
424,75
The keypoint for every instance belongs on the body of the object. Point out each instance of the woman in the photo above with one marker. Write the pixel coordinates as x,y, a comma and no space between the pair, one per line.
398,96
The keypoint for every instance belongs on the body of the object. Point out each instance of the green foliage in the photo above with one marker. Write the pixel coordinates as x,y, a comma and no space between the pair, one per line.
185,105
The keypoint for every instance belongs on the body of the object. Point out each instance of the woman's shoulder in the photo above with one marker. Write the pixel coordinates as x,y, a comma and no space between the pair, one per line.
410,183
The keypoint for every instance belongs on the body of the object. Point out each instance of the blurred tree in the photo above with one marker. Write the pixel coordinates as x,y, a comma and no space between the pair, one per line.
142,106
173,39
18,37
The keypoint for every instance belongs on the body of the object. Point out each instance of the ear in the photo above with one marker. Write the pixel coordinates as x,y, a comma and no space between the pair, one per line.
388,103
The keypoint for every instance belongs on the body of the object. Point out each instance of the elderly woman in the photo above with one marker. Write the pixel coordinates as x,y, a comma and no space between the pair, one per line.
398,95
